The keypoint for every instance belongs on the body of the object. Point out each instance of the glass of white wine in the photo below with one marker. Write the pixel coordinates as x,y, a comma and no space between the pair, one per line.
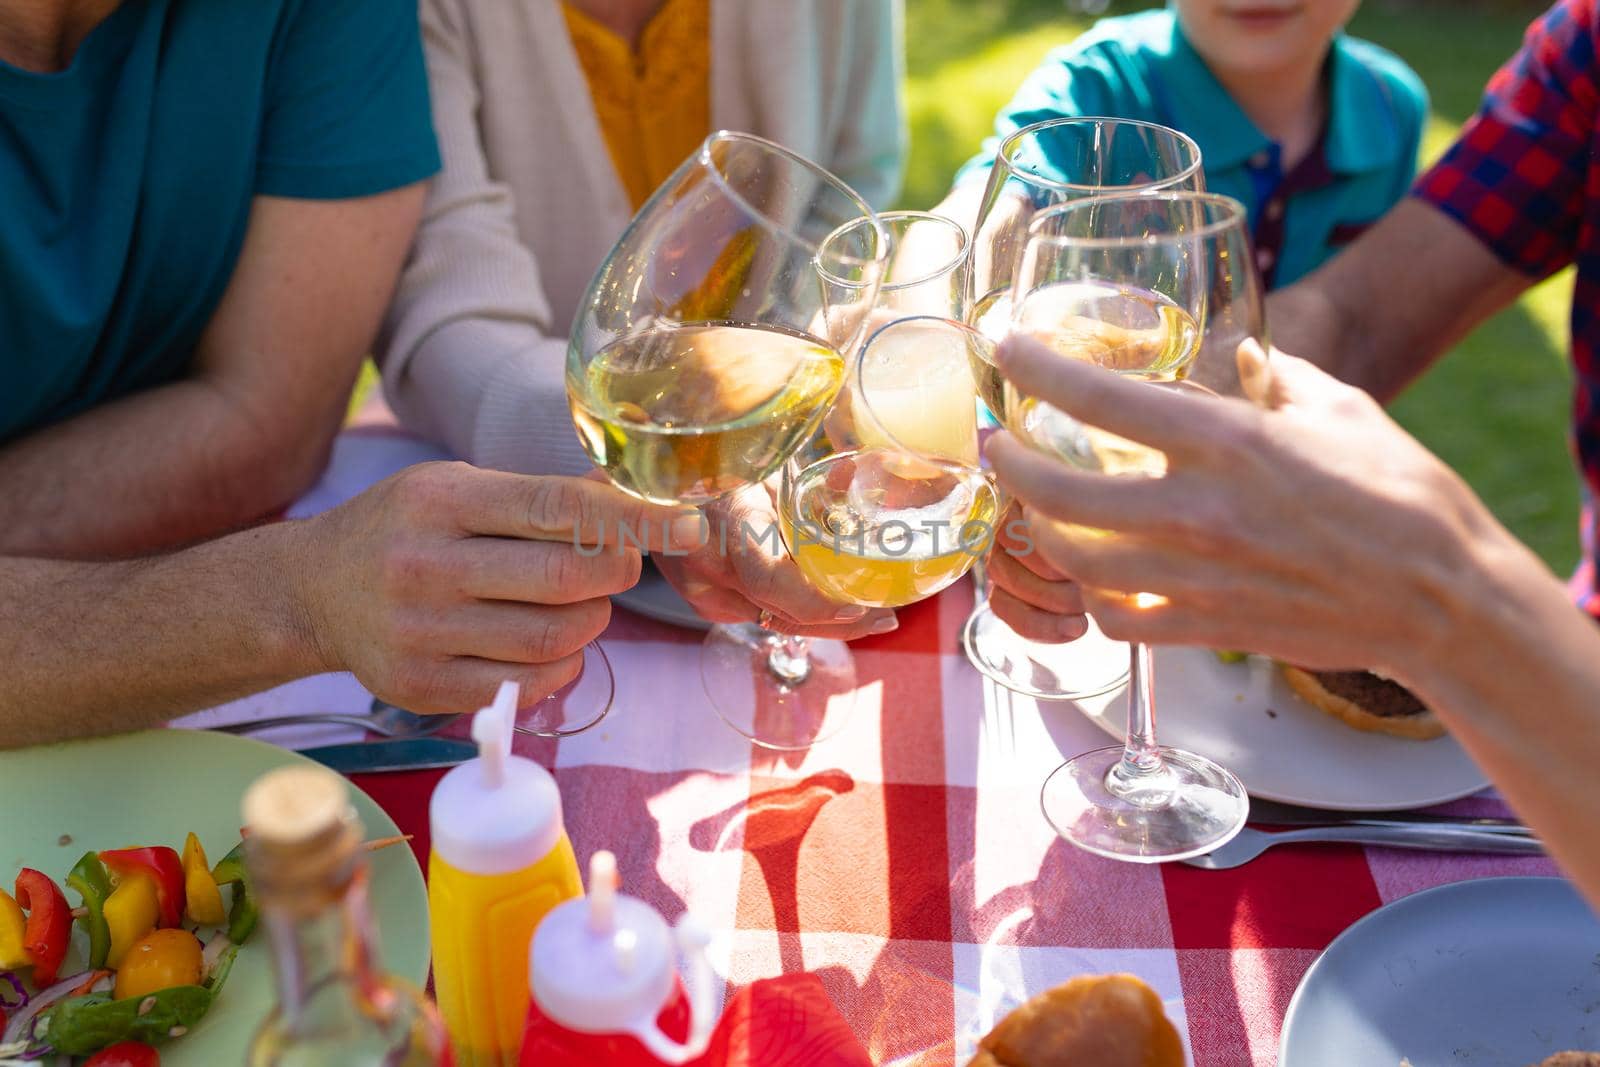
1144,286
713,338
805,689
885,505
1037,168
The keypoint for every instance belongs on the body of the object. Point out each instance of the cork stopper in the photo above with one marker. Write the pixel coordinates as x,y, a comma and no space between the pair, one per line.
293,804
304,839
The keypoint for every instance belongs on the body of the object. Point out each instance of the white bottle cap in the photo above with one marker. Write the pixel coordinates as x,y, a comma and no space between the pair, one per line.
604,964
499,813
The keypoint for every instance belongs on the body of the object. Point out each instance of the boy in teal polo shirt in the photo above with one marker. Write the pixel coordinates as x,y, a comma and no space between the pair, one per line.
1315,132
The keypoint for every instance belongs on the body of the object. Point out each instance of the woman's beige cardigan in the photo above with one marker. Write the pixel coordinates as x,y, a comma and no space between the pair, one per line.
528,204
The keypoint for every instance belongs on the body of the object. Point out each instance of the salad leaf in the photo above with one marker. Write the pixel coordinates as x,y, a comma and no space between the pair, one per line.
80,1026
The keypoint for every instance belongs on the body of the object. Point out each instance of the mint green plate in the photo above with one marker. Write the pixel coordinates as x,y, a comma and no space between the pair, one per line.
152,788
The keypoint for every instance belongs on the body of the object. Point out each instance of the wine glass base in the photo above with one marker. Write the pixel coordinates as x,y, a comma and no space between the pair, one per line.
1189,808
1092,665
771,712
577,706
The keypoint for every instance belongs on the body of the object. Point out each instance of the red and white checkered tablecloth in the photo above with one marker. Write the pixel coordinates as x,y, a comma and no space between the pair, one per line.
906,860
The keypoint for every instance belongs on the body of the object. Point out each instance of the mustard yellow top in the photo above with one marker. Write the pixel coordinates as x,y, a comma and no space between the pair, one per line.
654,105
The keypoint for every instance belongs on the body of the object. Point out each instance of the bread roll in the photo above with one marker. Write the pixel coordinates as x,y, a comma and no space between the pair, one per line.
1107,1020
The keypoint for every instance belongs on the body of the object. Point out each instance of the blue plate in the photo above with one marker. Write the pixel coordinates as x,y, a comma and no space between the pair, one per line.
1499,972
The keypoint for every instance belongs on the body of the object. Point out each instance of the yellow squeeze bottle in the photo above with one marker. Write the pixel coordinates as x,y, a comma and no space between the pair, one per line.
501,860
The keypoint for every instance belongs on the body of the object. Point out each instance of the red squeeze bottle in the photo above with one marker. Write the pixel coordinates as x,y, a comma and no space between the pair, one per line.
605,987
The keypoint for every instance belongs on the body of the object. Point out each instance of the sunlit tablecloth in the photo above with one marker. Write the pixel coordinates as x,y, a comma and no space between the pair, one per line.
906,860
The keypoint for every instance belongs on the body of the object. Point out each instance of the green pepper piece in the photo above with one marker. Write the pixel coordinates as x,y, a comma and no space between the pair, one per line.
1229,656
242,913
80,1026
91,882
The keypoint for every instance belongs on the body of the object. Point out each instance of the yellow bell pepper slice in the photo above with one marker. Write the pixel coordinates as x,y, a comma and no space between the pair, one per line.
12,924
204,899
131,912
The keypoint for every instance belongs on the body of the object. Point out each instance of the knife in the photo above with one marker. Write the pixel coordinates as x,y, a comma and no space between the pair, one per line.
1275,814
405,754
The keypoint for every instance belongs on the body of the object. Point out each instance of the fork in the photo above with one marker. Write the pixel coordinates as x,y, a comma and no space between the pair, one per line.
1440,837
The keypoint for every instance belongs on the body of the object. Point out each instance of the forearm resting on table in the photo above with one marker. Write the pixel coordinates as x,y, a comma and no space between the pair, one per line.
94,648
155,470
1517,681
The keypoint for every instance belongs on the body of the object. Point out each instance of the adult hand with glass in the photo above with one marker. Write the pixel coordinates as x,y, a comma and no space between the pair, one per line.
740,574
1314,529
709,346
1142,286
1015,635
442,581
1234,542
432,587
885,505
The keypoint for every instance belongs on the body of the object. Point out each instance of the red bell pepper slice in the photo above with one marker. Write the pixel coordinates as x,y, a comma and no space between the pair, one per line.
164,868
49,929
126,1054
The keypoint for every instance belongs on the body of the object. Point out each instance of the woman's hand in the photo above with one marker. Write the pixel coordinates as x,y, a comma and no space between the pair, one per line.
1311,528
1315,530
742,573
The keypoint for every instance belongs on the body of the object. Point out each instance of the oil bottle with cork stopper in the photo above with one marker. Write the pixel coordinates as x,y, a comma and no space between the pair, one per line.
605,986
501,860
336,1007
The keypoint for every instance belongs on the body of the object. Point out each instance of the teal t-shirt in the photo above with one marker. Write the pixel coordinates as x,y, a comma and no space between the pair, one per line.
1142,67
126,179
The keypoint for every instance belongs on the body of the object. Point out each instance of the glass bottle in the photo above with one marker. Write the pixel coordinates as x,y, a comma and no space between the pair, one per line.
336,1007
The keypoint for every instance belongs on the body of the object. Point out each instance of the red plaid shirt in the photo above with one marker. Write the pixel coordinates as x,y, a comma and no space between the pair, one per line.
1524,177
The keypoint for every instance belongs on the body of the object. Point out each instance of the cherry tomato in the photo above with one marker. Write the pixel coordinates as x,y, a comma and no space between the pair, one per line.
125,1054
159,960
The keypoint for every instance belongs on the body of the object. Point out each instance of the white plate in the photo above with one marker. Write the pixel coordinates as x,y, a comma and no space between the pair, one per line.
1245,717
1498,972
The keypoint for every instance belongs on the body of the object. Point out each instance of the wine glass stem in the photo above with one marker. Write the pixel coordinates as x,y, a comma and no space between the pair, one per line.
1141,756
980,584
788,658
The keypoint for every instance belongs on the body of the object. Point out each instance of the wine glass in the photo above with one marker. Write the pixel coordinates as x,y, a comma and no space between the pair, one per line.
927,269
1036,168
1143,285
885,505
576,706
713,338
805,688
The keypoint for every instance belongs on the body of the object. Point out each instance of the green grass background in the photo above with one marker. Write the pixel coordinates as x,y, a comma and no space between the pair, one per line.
1496,408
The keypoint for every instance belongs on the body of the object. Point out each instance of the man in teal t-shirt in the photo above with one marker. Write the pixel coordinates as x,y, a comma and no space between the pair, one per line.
1314,131
204,205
